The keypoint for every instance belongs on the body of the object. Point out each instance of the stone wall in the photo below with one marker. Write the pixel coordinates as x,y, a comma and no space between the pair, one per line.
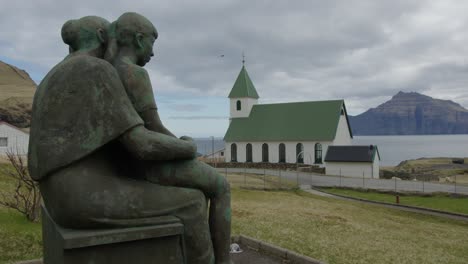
269,166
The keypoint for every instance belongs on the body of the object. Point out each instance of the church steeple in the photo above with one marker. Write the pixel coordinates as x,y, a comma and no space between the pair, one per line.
243,95
243,87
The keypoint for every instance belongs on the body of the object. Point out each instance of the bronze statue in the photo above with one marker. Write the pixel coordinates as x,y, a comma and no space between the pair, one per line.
100,152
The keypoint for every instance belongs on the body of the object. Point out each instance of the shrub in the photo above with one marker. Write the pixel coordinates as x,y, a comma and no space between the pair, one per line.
25,196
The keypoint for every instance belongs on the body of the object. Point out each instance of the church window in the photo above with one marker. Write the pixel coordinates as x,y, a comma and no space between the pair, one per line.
233,152
238,105
265,152
300,153
3,142
248,153
282,153
318,153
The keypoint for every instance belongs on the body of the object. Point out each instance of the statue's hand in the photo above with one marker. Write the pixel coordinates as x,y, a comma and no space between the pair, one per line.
186,138
191,144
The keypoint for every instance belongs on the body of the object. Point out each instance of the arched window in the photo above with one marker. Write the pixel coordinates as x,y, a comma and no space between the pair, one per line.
265,152
282,153
233,152
300,153
248,153
238,105
318,153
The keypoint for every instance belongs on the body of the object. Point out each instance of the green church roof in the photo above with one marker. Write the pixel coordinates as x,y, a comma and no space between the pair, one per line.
243,87
303,121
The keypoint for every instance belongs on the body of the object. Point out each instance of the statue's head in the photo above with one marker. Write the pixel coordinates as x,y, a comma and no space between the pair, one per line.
133,31
87,34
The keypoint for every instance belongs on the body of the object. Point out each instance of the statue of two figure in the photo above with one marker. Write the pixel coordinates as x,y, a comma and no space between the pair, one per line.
100,152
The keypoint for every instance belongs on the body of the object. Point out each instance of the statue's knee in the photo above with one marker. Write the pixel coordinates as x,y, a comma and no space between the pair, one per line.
199,202
223,186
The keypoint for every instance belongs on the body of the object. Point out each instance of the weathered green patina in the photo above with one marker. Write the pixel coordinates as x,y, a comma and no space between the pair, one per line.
100,152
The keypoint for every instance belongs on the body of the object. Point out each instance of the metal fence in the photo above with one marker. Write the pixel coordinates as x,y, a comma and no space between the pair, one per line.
262,179
291,179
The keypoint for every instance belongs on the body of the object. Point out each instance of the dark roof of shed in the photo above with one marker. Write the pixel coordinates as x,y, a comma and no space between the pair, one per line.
301,121
352,153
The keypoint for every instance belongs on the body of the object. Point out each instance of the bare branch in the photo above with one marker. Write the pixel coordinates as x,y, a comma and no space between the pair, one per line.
25,196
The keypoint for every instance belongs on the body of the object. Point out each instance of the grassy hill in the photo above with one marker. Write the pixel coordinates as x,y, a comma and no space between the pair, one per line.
16,95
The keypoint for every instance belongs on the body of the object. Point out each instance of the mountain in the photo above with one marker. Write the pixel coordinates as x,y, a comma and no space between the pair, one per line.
412,114
16,95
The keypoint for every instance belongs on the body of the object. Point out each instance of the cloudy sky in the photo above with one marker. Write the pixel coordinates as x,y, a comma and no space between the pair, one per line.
361,51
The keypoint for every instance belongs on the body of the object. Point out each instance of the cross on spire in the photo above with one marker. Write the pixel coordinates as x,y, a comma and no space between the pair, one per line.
243,58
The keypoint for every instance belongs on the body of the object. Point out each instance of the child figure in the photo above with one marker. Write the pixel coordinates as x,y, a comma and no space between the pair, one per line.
131,47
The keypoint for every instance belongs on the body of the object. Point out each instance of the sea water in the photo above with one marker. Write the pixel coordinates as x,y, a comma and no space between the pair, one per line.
392,149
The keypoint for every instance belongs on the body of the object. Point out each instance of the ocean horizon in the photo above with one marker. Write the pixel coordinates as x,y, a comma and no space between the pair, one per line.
392,149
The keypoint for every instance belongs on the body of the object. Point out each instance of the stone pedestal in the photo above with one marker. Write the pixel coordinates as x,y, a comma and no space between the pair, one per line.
156,243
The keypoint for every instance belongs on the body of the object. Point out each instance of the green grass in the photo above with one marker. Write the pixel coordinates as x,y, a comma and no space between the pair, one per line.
258,181
338,231
438,201
19,238
328,229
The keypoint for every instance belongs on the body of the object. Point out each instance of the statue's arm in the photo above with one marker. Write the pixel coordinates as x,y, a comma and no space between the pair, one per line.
149,114
148,145
154,123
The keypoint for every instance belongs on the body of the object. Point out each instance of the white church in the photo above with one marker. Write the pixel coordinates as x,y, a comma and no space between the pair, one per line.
298,132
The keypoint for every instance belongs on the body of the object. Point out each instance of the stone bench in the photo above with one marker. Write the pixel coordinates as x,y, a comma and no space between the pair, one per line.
160,242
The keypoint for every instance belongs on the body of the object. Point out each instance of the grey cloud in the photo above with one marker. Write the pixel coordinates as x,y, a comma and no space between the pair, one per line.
363,52
186,107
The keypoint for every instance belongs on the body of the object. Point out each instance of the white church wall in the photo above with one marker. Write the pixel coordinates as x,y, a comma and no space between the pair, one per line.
376,167
13,140
227,154
273,151
343,137
246,107
309,149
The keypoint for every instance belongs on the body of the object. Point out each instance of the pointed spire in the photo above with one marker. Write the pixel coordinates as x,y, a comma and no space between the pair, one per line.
243,87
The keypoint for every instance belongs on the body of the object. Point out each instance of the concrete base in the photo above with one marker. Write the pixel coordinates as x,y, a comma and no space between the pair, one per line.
259,252
157,243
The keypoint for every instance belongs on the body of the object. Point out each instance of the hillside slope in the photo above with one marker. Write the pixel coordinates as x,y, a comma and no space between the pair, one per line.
412,114
16,95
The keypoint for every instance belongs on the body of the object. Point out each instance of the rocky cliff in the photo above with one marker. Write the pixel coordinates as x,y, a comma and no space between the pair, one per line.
16,95
412,114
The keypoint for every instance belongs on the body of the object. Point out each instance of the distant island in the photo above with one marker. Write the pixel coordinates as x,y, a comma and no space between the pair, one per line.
412,114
